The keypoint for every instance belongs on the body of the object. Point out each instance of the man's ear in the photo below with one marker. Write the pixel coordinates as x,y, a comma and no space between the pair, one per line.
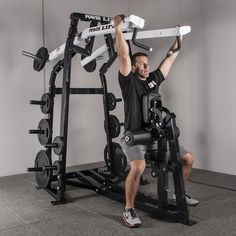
133,68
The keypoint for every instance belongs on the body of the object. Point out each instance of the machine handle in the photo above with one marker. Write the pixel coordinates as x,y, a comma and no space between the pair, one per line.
136,43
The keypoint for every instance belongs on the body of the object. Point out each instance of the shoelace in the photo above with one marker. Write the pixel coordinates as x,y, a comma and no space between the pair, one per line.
132,212
187,196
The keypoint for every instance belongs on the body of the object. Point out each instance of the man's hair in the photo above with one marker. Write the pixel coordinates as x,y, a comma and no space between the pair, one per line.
138,54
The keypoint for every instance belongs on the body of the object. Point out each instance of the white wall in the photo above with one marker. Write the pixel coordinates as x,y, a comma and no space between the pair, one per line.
21,29
200,88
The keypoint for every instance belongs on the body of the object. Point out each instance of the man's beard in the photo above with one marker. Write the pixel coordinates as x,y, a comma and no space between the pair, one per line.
140,75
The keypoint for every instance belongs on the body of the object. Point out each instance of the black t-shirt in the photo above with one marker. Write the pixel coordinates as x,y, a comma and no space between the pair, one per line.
133,89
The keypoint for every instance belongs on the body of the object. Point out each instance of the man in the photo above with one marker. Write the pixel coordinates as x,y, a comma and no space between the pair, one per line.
135,80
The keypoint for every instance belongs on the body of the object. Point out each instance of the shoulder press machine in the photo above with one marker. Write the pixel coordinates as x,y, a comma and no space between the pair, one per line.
162,128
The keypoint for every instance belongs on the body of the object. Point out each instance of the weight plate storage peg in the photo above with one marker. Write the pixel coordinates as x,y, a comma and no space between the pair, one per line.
43,177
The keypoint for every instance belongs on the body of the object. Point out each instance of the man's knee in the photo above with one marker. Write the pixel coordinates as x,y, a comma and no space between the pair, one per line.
188,159
138,166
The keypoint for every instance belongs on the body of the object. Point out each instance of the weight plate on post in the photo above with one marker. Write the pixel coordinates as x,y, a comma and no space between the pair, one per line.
107,157
111,101
42,57
45,126
58,167
114,126
60,145
118,163
43,177
46,107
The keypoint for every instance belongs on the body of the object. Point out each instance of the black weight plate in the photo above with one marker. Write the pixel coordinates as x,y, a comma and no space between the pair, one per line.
43,177
119,162
114,147
58,167
111,101
106,157
60,142
45,126
42,55
114,126
46,107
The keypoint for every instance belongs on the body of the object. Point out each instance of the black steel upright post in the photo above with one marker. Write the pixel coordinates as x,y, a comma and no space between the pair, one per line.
106,119
112,56
162,183
65,104
177,172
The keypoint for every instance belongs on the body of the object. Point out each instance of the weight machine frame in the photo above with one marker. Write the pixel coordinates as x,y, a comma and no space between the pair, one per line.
105,183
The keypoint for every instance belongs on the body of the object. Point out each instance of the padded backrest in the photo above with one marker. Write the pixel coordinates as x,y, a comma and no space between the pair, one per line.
150,100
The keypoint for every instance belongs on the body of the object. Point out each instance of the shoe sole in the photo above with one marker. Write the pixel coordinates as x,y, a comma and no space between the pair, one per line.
193,205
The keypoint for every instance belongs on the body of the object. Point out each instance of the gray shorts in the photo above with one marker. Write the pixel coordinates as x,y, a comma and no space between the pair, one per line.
138,152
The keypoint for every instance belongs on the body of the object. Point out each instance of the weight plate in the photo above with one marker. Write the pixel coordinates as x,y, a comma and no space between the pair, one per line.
45,126
111,101
43,177
46,107
114,126
42,55
118,163
58,167
60,145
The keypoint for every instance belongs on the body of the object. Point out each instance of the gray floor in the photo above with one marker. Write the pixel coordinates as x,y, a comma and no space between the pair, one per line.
24,210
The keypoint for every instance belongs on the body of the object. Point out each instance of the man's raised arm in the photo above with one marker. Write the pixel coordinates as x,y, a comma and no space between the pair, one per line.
167,63
122,47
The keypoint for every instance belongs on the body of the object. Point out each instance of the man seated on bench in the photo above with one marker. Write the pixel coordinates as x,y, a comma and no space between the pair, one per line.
135,80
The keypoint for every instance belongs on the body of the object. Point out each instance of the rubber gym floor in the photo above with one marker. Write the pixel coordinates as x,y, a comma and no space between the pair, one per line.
24,210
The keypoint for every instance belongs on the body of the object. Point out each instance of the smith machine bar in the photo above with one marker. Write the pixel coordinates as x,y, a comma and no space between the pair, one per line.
53,176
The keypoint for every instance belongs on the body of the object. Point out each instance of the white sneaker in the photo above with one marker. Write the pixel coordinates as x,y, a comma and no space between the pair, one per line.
190,201
131,218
